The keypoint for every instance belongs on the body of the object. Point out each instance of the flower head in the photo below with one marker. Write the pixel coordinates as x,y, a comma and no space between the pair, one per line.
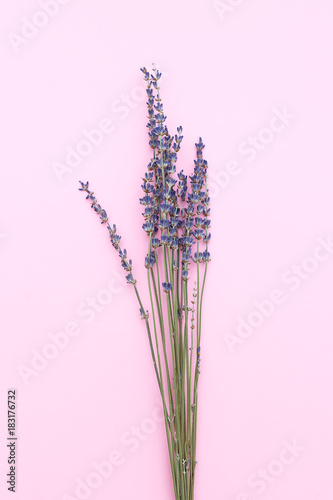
84,186
143,314
198,234
149,261
130,279
197,257
149,227
185,276
167,287
206,256
155,243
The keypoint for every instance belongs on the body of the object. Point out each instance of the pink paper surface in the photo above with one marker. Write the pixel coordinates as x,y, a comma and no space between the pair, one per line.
254,79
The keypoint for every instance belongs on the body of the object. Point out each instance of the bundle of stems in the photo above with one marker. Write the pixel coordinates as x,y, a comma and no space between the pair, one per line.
176,222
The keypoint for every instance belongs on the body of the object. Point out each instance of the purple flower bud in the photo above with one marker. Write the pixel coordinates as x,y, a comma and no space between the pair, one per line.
189,223
164,223
148,227
149,261
207,238
146,200
199,222
84,186
198,234
167,287
206,256
165,239
130,279
143,314
186,255
155,242
185,276
174,243
197,257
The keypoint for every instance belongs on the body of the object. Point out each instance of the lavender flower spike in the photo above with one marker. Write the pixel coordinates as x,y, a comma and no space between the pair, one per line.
115,238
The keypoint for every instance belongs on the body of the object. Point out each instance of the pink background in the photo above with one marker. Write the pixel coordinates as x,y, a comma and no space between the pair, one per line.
97,400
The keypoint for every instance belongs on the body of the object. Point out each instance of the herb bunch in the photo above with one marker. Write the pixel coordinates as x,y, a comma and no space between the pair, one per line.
176,221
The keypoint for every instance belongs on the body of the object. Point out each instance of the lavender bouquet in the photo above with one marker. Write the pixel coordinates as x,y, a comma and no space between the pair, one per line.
177,226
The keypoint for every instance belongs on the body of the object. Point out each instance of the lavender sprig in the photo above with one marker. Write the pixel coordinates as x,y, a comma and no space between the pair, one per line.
114,237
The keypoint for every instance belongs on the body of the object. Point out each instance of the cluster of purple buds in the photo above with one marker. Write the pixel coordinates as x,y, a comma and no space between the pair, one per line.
143,314
149,261
167,287
201,256
175,213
